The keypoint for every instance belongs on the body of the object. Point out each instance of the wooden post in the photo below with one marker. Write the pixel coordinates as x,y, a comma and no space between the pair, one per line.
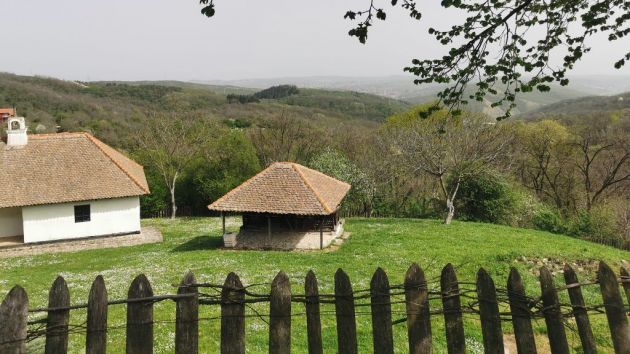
381,313
268,230
452,311
140,317
625,282
96,338
232,316
579,312
313,321
57,323
418,315
280,315
344,308
521,316
14,321
223,221
187,317
321,234
489,314
553,317
615,313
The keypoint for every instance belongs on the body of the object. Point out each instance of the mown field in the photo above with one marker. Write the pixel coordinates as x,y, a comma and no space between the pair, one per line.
393,244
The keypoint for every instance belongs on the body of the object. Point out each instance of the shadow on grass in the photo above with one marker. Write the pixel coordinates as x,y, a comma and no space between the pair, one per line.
200,243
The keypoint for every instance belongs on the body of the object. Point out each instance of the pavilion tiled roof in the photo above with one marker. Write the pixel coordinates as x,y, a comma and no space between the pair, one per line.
66,167
285,188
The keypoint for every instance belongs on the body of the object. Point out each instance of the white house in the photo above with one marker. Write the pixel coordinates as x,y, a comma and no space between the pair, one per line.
66,186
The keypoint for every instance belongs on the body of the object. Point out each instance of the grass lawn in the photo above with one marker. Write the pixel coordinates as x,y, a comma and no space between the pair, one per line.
393,244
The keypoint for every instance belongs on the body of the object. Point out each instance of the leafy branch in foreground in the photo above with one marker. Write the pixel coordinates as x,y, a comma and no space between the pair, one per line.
504,47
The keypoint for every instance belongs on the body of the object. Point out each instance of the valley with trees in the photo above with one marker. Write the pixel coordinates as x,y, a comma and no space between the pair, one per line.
554,169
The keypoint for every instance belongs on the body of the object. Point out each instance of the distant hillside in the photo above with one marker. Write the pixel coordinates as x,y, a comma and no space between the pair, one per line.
587,105
402,88
114,110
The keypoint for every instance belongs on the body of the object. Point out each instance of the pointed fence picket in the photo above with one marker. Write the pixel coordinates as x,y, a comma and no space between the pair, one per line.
234,297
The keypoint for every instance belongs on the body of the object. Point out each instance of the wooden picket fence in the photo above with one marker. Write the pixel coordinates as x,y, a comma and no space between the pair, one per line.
234,297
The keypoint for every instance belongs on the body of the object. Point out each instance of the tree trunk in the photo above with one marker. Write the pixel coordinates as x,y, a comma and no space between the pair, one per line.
173,204
451,211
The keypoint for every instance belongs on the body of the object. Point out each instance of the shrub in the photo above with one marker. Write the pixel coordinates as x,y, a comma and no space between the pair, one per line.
487,197
599,226
547,219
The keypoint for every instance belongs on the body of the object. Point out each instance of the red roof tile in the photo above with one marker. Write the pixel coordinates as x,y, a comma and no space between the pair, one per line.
285,188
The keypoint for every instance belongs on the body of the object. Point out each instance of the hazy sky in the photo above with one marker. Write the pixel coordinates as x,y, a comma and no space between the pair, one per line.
169,39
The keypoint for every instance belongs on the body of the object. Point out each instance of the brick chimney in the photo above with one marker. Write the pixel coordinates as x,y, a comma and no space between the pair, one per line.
16,132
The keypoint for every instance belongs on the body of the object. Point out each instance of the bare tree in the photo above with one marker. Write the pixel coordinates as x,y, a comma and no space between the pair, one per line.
449,149
171,142
604,164
285,138
546,162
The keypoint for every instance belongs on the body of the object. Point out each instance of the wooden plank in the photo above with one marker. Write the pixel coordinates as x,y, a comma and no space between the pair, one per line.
313,321
96,337
381,313
489,314
187,317
454,325
280,315
521,316
615,312
344,307
418,311
57,322
14,321
579,311
553,316
625,282
232,316
140,317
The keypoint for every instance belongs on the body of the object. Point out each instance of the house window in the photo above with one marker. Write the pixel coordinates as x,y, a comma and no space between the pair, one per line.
81,213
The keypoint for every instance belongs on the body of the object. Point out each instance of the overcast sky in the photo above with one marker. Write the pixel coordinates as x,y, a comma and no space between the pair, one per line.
170,40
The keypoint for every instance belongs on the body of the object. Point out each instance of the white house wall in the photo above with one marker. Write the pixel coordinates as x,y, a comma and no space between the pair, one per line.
56,222
10,222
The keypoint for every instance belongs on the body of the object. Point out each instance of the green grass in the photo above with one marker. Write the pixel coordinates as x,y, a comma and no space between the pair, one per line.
393,244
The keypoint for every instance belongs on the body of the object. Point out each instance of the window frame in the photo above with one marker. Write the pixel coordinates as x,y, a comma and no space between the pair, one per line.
82,213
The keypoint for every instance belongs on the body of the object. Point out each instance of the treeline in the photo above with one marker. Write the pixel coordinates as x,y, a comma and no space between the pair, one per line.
564,178
274,92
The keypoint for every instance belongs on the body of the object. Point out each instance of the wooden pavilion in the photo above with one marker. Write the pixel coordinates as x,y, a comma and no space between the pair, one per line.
286,206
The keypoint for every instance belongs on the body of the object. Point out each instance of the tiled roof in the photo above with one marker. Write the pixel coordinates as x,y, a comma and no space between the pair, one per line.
9,111
67,167
285,188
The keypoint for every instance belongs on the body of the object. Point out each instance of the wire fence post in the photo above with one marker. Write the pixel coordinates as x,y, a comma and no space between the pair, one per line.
451,303
280,315
140,317
186,318
57,323
96,337
521,318
13,321
417,308
313,321
381,313
579,311
232,316
489,314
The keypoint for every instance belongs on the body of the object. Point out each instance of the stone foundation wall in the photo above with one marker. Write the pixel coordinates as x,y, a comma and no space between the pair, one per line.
147,235
286,240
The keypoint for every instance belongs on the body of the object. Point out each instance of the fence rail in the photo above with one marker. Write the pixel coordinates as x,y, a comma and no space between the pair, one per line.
484,301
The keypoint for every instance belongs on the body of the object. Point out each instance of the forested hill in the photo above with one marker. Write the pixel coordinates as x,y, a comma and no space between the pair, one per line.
114,111
587,105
